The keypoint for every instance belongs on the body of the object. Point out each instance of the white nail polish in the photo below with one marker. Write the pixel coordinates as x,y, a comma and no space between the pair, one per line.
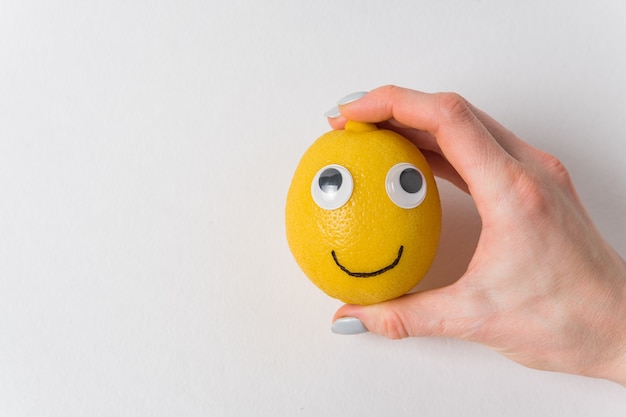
348,325
333,113
351,97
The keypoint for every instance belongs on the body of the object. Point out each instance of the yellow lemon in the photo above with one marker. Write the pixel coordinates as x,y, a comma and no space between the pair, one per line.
363,215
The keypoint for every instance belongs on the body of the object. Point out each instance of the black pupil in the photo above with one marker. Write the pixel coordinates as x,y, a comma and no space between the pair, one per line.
411,180
330,180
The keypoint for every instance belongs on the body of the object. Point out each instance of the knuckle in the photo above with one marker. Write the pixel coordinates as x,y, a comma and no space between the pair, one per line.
529,193
535,191
534,196
454,108
390,91
391,325
554,168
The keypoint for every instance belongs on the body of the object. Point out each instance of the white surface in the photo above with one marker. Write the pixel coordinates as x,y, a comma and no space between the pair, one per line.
146,148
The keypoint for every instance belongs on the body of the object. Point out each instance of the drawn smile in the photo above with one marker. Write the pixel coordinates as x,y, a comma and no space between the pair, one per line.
368,274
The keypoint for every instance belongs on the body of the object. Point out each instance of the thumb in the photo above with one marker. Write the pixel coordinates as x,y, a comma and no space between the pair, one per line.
439,312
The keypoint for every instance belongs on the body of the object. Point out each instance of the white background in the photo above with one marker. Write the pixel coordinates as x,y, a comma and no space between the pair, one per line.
146,148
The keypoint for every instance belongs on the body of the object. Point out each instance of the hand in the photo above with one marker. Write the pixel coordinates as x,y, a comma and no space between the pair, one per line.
543,287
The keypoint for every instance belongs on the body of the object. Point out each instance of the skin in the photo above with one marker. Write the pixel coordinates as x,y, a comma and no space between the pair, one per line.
543,287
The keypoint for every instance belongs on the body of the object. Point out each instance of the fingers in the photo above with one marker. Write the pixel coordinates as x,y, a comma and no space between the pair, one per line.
519,149
423,140
448,124
442,169
441,312
505,138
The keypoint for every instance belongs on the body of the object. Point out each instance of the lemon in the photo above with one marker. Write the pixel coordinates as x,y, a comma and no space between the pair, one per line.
363,215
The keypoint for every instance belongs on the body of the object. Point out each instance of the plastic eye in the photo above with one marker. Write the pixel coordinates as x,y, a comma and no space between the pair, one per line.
405,185
332,187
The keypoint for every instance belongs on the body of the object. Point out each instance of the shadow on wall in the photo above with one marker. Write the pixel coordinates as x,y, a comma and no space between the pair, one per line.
460,231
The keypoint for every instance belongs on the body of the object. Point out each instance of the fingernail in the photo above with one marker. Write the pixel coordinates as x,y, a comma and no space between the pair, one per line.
333,113
348,325
351,97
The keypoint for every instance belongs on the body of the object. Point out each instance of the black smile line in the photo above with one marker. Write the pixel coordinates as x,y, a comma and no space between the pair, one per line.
368,274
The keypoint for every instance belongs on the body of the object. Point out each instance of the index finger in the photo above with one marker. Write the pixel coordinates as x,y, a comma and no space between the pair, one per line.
463,139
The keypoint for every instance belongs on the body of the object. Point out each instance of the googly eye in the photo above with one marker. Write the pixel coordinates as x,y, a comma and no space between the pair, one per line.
332,187
405,185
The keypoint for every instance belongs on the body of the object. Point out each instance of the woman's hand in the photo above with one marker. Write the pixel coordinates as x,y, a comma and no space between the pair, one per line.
543,287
